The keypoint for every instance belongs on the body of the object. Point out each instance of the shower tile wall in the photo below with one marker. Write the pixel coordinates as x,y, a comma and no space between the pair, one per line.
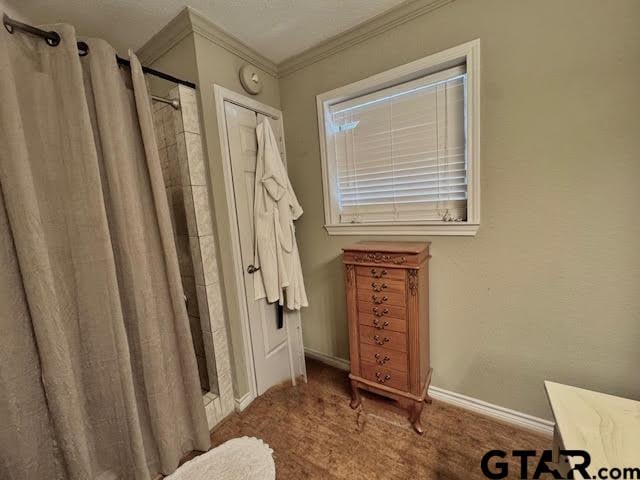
168,145
180,144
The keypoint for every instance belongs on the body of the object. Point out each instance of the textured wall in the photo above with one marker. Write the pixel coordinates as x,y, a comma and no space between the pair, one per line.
549,287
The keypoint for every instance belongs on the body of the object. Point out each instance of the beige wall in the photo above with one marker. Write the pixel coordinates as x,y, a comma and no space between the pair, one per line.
217,65
12,11
179,61
549,288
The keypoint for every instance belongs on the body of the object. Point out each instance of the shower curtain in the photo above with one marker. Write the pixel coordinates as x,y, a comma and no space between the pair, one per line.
98,378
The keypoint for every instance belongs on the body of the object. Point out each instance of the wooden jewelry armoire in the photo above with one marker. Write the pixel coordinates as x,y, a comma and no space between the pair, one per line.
387,286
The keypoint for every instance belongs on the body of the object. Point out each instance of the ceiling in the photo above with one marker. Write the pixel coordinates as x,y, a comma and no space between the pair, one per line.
277,29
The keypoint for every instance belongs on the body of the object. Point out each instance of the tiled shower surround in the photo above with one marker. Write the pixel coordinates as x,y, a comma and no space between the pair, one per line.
183,168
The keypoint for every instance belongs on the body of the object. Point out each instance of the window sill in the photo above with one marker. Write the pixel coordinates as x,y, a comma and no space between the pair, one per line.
445,228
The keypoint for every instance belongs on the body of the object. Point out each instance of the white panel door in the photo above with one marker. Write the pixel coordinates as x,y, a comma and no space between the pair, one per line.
272,352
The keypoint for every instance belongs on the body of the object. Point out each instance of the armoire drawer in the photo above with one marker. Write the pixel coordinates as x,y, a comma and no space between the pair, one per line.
381,310
383,357
382,323
383,338
384,376
381,285
380,298
380,273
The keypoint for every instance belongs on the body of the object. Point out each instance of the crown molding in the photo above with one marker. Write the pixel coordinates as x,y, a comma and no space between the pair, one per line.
375,26
206,28
190,21
164,40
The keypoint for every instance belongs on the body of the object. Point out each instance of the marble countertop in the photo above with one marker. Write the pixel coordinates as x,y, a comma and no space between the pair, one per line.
606,426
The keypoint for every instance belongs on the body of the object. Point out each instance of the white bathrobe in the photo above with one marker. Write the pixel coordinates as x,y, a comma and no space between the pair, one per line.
275,208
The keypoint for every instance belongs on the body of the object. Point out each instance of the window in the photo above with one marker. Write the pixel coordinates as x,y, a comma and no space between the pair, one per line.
400,149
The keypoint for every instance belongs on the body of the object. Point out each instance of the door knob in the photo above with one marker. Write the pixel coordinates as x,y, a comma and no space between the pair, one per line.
252,269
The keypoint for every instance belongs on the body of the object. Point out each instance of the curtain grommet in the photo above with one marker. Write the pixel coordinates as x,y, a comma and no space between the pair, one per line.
83,49
53,40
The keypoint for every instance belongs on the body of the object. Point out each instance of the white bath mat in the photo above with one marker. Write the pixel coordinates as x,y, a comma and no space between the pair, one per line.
238,459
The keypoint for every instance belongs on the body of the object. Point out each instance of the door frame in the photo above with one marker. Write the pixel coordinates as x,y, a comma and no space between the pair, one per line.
222,95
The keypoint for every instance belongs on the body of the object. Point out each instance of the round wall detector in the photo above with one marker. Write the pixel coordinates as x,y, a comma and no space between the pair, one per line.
250,79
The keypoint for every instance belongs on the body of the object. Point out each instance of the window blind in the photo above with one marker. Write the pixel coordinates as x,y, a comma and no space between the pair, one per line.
400,152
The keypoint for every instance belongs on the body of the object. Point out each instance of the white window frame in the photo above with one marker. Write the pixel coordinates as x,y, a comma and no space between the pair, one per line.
467,53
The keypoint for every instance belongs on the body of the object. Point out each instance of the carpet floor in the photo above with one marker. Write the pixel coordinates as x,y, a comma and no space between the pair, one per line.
316,435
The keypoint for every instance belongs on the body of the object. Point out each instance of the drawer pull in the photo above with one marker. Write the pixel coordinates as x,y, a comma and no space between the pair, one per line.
378,287
376,323
378,273
376,338
377,300
378,313
382,361
382,379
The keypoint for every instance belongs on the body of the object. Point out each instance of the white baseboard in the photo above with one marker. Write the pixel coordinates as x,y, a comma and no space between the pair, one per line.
244,401
336,362
507,415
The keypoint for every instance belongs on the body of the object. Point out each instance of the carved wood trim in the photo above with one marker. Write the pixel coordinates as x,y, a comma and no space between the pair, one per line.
413,281
378,257
349,269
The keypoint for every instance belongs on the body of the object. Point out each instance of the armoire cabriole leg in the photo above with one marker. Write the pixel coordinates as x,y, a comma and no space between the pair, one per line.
416,412
355,395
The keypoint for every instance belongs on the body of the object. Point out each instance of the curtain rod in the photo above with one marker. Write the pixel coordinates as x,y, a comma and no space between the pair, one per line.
175,103
53,39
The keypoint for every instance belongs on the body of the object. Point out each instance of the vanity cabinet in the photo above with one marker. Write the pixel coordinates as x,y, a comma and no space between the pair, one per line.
387,285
